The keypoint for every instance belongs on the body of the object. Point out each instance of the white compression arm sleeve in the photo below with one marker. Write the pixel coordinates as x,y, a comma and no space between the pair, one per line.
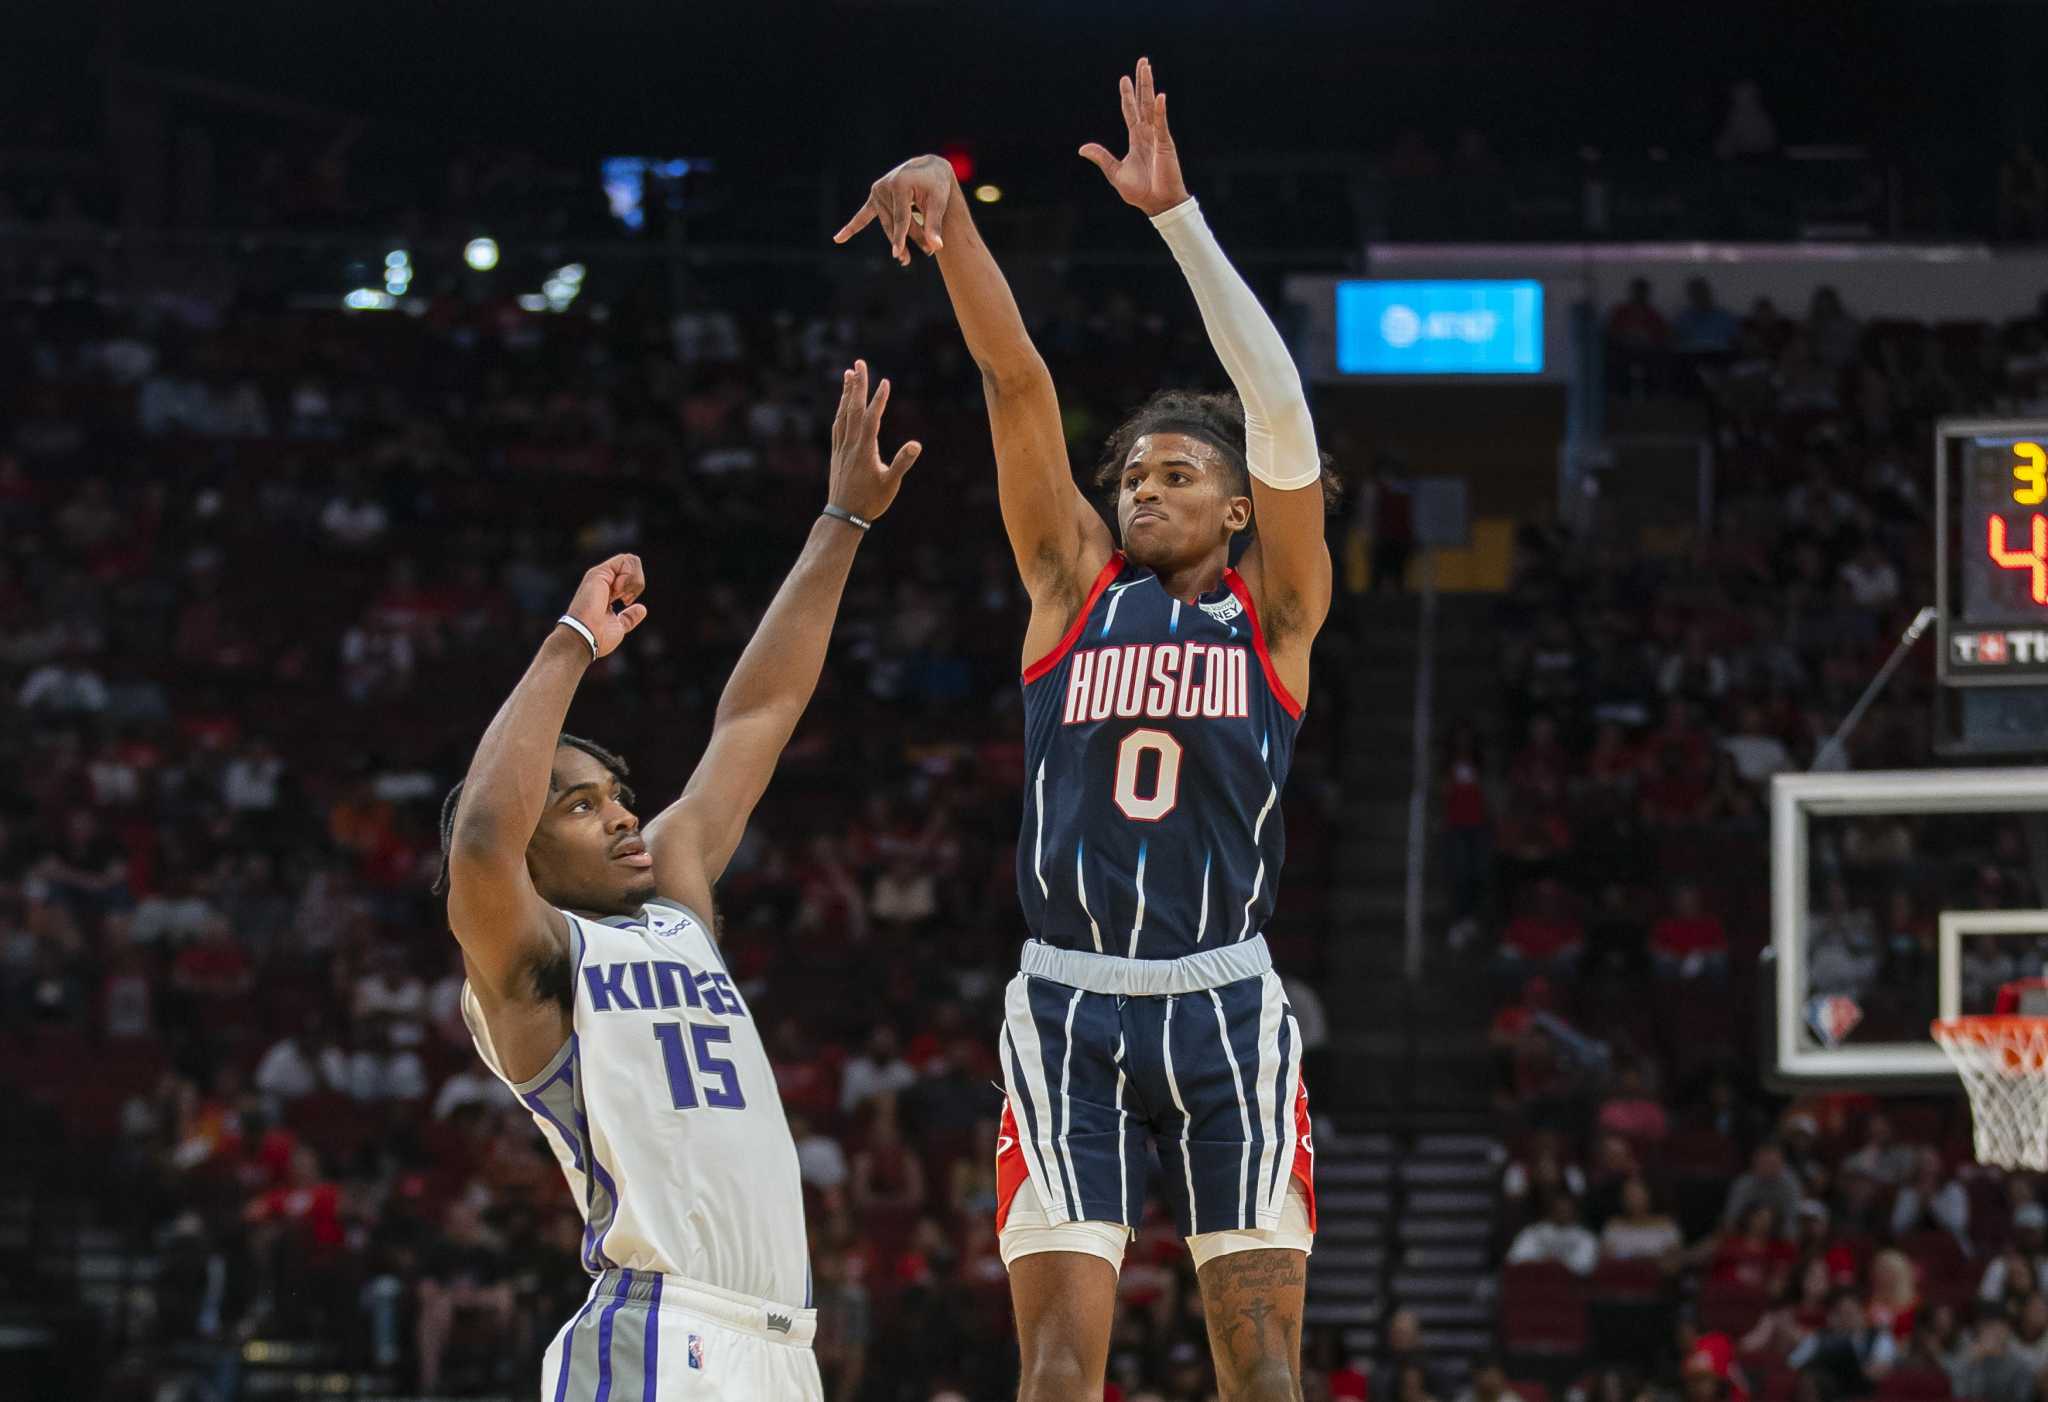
1279,436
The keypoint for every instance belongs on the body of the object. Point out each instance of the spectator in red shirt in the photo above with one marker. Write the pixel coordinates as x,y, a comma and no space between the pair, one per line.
1690,941
1547,933
1636,324
1752,1254
1631,1111
306,1201
1672,794
808,1079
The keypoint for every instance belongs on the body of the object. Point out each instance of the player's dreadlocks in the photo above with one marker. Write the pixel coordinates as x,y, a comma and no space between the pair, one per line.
603,756
1216,419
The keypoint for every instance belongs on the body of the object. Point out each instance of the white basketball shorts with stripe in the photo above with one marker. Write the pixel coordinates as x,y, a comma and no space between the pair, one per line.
647,1337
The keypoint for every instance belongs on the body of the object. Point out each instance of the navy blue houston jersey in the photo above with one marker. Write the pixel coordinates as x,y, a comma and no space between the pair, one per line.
1157,739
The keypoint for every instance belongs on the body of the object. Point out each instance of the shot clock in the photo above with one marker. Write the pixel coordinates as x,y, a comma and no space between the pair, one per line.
1991,552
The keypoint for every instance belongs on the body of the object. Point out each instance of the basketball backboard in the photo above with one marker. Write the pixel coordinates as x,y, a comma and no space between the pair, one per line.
1897,897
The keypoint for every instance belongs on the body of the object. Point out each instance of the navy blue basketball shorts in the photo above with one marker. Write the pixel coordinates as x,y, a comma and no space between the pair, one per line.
1098,1083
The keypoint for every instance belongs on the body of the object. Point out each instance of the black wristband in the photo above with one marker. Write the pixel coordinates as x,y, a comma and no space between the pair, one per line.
840,513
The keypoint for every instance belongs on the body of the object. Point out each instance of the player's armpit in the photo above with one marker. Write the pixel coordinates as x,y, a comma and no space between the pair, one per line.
1291,578
505,929
1288,563
690,850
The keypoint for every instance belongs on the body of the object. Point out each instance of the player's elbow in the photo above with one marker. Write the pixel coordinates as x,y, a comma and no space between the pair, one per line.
480,845
1014,375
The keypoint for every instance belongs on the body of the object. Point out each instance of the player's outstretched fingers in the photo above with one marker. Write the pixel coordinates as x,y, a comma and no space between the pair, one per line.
848,411
906,457
1099,157
872,423
632,617
862,217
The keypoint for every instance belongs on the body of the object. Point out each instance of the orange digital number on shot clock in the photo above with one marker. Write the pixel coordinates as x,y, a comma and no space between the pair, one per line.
2030,471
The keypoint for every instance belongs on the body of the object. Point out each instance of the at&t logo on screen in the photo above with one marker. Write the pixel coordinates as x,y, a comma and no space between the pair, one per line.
1389,327
1403,326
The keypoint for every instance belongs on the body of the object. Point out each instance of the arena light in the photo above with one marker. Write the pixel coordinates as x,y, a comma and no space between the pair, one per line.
481,254
369,299
988,194
532,302
397,258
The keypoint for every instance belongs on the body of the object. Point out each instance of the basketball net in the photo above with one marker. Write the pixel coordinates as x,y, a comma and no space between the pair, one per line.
2003,1060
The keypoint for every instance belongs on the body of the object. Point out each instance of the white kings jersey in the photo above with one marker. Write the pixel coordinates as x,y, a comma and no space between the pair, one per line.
663,1112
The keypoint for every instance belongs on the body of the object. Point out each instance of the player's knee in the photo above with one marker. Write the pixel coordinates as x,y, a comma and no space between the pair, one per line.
1054,1371
1260,1380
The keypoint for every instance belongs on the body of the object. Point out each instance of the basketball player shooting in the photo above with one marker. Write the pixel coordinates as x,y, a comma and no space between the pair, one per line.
596,989
1163,690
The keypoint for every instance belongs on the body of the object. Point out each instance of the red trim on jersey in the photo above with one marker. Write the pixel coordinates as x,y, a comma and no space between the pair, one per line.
1244,596
1066,644
1304,1152
1010,1168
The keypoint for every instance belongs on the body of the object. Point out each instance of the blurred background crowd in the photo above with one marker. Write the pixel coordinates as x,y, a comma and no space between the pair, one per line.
294,474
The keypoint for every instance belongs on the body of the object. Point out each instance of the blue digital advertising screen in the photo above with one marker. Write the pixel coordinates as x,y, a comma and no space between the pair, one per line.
1466,327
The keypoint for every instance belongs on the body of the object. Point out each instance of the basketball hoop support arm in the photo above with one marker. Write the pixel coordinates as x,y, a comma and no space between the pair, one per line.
1831,755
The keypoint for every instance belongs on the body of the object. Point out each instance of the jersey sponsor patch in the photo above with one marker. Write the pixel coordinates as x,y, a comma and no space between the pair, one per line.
1225,609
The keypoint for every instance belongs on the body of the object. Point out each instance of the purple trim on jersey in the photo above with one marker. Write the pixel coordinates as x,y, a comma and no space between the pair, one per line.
604,1336
650,1363
569,1350
603,1180
532,1101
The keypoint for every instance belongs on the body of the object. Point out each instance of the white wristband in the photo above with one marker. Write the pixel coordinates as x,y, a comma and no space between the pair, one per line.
589,637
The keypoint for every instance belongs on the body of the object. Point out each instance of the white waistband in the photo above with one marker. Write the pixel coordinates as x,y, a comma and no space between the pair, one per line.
1148,978
780,1324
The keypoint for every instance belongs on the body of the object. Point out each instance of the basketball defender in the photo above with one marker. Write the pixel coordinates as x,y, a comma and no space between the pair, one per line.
597,992
1162,691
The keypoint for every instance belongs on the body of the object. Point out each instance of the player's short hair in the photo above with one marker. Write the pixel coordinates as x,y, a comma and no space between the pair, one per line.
1216,419
614,763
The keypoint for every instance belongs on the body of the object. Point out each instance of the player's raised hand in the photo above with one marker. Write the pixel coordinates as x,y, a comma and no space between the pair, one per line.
861,483
910,203
618,581
1149,174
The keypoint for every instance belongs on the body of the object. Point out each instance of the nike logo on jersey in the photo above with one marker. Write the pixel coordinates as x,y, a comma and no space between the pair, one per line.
646,984
1158,681
1004,1143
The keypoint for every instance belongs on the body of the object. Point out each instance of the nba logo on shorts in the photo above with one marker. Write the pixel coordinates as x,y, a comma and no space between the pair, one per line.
696,1351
